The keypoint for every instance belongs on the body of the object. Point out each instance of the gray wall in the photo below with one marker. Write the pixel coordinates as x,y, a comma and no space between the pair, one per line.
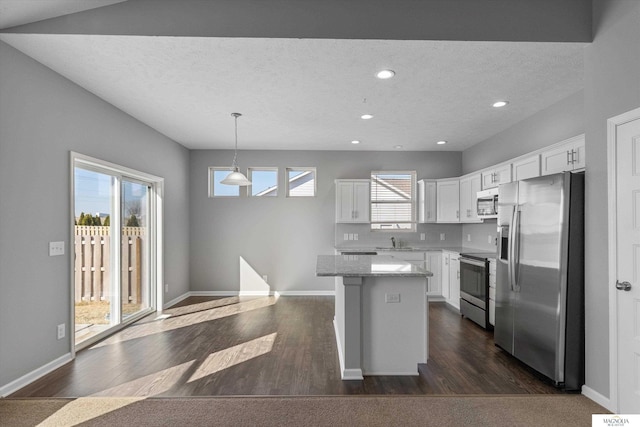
43,116
553,124
612,87
281,237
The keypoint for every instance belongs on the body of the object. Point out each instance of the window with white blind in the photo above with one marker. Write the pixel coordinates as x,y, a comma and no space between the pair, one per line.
393,206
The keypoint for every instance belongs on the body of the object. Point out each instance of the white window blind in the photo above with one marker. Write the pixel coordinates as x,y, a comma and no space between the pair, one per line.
393,200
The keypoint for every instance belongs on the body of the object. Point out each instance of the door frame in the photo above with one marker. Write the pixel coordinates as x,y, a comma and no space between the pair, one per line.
612,170
156,257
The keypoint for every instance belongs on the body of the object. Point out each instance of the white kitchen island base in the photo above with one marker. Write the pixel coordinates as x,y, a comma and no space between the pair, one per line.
381,323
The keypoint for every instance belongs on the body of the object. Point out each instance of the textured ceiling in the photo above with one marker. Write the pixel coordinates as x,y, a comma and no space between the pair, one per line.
18,12
309,93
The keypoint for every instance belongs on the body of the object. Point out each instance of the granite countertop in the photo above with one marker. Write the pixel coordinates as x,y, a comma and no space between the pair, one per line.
367,266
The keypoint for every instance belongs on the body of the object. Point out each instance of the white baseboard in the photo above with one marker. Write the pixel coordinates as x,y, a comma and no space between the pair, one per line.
352,374
175,300
27,379
307,293
383,373
598,398
247,293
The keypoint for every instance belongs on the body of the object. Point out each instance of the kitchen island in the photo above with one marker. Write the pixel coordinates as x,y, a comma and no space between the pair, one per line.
381,314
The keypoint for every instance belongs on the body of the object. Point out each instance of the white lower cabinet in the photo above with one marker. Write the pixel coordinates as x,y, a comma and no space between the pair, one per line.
451,278
434,283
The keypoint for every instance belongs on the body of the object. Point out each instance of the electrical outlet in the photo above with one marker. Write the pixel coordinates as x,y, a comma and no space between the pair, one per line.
422,236
346,236
391,298
355,236
468,237
61,331
489,239
441,236
265,278
166,287
56,248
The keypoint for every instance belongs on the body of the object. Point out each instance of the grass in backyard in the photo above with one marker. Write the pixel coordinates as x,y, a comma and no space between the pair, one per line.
97,312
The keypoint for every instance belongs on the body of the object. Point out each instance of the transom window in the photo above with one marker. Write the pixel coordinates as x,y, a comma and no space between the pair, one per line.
216,188
264,182
393,204
301,182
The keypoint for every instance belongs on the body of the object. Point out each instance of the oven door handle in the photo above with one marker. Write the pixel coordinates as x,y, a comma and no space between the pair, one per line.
473,262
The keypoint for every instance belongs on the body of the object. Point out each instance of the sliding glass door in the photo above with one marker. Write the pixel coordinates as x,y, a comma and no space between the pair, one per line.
115,249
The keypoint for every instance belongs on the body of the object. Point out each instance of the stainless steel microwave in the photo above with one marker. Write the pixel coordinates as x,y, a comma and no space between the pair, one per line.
487,203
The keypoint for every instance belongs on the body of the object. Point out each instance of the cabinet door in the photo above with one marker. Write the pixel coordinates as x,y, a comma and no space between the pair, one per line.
361,196
454,281
444,275
469,188
503,174
448,201
434,265
526,168
426,201
489,179
579,155
557,160
344,202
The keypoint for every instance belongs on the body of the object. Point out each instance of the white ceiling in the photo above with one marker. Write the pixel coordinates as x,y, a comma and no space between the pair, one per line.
309,93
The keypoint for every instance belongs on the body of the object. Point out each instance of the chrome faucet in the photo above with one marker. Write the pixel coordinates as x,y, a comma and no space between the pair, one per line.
393,242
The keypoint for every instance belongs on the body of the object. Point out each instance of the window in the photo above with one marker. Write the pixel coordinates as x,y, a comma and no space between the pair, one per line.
217,189
393,200
301,182
264,182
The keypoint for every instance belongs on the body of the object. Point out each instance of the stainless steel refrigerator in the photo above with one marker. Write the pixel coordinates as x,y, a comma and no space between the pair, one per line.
539,314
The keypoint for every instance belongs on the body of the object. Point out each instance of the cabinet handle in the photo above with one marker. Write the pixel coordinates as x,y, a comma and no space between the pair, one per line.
569,157
458,214
458,274
573,156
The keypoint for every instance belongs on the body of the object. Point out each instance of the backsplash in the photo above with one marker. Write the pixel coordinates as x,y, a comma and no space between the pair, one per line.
480,236
452,234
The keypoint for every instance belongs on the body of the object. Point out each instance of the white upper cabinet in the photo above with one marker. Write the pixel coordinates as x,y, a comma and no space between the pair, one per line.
469,187
528,167
426,201
499,175
567,156
448,200
352,200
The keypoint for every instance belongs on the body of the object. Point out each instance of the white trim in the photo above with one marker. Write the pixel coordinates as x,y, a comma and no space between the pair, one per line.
345,374
597,397
32,376
612,171
307,293
385,373
175,300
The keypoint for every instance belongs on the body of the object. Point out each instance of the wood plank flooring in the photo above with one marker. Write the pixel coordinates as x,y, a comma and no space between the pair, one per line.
271,346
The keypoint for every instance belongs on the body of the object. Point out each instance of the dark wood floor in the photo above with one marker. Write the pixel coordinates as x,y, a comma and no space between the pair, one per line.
269,346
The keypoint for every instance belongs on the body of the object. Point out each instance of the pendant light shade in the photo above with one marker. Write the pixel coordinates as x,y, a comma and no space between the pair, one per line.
236,177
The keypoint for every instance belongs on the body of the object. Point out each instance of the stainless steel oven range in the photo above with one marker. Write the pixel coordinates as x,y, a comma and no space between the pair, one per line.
474,287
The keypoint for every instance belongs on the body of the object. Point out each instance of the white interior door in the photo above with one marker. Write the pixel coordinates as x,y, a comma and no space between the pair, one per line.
627,295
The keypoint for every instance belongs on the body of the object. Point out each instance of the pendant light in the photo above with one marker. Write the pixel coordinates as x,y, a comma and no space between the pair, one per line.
236,177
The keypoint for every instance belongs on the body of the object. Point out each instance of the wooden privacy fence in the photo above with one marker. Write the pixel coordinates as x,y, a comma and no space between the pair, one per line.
93,263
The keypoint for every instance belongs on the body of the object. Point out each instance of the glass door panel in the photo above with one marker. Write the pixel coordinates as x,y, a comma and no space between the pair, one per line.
134,256
93,241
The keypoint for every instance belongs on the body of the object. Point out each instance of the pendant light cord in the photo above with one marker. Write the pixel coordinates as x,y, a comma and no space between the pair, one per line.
235,153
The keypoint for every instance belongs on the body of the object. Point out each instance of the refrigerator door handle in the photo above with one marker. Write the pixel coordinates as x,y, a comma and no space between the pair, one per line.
511,264
516,249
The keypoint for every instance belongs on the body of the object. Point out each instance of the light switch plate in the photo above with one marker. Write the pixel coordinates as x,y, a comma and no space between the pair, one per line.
489,239
441,236
468,237
56,248
391,298
422,236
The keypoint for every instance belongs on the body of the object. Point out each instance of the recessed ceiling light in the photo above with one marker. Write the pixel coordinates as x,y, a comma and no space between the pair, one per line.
441,142
397,147
499,104
385,74
366,116
355,141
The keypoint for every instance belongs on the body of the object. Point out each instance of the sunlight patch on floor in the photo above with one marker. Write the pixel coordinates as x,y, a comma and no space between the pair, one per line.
235,355
149,385
86,409
172,323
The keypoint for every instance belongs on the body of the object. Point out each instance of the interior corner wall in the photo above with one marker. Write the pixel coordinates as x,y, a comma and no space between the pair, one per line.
557,122
278,236
43,117
612,87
